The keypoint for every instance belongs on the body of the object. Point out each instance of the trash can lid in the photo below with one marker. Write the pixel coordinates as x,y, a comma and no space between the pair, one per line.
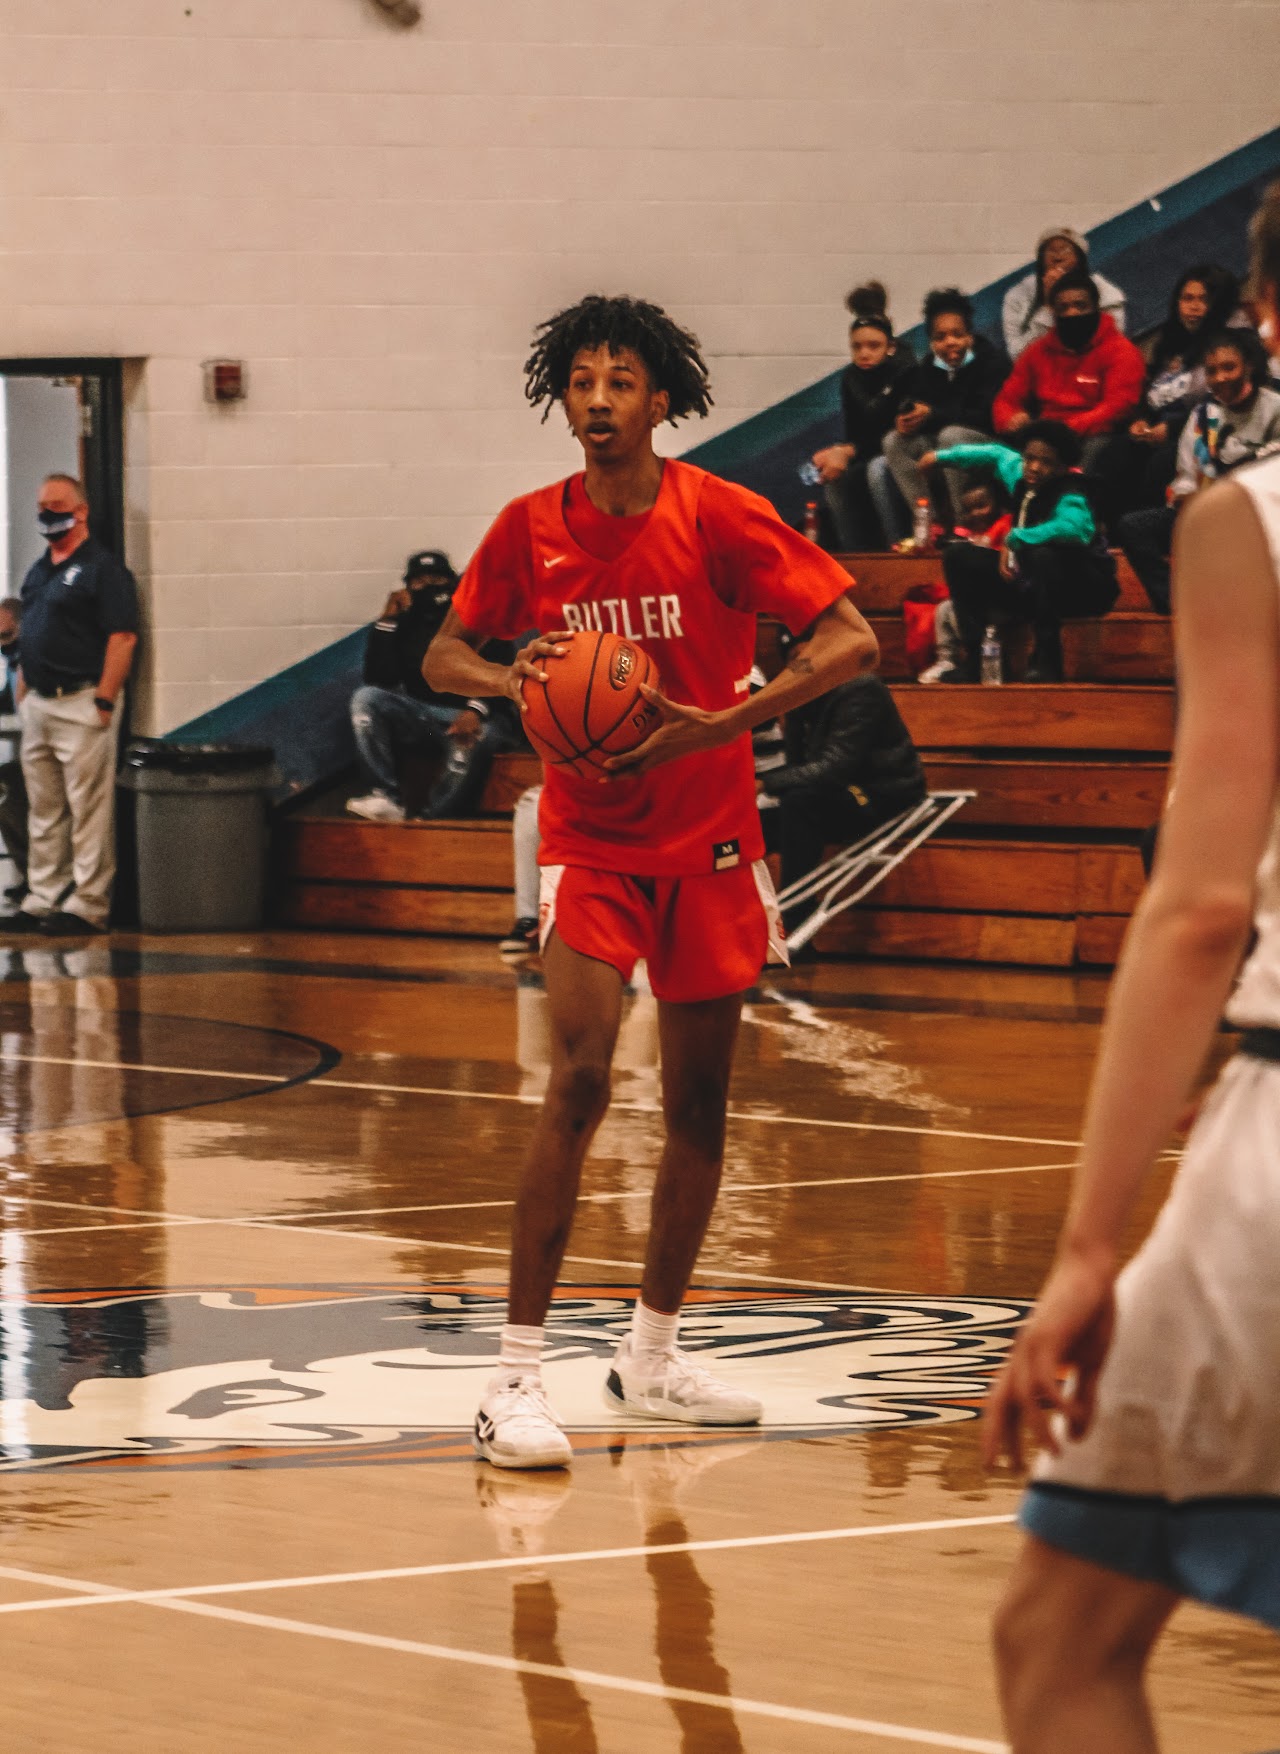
160,756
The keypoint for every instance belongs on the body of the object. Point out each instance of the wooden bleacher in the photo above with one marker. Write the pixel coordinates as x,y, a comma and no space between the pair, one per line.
1040,869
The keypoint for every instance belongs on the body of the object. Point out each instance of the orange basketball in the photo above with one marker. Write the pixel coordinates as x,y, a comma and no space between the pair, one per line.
591,707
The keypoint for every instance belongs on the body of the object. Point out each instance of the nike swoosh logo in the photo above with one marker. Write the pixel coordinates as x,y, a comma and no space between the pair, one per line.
555,560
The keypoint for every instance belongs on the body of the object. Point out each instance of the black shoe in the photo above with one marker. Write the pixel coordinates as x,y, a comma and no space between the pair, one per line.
521,940
23,922
69,925
960,673
16,893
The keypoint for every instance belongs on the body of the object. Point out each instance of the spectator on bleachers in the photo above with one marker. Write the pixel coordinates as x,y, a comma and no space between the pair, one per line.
947,400
985,520
1238,421
1140,462
1084,373
1026,315
13,793
1054,563
395,712
850,766
859,493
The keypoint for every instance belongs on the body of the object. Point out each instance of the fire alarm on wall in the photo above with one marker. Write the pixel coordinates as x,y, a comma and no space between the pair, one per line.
224,380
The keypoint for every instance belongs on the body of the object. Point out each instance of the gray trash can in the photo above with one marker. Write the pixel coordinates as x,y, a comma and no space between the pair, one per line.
200,825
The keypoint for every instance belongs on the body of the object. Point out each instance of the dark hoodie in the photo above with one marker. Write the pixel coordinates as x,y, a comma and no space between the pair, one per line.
962,397
870,400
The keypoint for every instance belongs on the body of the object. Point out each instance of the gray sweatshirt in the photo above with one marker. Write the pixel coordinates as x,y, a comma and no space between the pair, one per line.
1019,299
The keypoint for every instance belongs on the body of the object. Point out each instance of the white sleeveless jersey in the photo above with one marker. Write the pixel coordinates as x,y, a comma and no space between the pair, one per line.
1257,996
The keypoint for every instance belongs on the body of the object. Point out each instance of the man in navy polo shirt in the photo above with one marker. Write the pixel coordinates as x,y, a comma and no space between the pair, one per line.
79,630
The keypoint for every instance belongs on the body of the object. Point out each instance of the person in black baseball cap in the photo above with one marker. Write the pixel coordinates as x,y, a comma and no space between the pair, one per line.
395,711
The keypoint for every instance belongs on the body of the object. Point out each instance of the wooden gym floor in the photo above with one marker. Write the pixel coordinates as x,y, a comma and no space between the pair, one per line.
255,1194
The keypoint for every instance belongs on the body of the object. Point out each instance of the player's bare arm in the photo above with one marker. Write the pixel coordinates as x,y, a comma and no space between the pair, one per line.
1181,956
453,664
840,646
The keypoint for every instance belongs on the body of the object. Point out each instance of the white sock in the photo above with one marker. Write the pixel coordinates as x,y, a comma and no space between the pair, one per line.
520,1349
652,1333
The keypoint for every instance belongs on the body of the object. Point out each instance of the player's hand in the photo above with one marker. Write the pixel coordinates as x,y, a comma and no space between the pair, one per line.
913,419
683,730
530,659
832,462
1069,1331
1017,421
928,461
397,603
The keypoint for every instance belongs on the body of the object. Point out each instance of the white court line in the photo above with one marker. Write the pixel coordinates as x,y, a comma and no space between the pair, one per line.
727,1702
726,1188
645,1108
129,1066
480,1248
103,1595
653,1108
111,1229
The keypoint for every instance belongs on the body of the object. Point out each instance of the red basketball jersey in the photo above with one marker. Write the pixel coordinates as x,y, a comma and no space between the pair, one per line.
686,588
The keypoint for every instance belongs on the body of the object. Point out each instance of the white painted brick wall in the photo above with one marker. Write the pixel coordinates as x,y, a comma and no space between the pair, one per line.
374,219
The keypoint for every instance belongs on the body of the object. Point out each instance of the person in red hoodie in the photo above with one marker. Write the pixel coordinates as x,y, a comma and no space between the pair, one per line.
1084,373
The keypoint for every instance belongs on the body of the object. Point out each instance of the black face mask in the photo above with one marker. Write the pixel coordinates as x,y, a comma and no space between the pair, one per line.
1077,332
55,524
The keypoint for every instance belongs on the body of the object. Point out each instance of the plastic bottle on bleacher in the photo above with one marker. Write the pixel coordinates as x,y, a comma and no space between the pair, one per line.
811,526
992,660
922,524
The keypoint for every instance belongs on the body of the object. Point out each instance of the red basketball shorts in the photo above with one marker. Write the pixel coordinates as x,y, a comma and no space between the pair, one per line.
703,937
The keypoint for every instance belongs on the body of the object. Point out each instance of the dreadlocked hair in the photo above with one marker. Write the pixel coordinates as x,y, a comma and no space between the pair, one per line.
670,353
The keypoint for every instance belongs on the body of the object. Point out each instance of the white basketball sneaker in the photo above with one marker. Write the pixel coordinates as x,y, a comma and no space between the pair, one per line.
376,807
515,1427
675,1386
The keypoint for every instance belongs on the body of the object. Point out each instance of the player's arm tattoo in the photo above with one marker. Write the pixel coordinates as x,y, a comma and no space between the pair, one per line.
800,665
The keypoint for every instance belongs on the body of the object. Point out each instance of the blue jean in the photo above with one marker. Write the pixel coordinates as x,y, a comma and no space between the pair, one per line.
386,723
891,509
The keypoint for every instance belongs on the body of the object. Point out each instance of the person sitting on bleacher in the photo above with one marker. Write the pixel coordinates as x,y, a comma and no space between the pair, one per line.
851,765
395,712
1054,563
946,401
861,499
1237,422
1027,315
1084,373
1141,461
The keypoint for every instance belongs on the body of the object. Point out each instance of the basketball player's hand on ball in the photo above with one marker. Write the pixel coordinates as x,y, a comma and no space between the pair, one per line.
1055,1362
530,660
683,731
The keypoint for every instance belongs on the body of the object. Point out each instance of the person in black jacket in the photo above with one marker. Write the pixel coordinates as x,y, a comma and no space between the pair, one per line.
395,711
850,766
945,401
859,491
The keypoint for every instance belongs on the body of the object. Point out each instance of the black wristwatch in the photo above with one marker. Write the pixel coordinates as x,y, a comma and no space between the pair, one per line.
103,704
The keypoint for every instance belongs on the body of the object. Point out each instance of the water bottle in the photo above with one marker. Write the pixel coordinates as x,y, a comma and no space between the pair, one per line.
992,659
922,524
811,519
810,474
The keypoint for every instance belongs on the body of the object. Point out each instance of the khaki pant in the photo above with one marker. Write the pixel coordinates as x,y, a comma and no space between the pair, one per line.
69,765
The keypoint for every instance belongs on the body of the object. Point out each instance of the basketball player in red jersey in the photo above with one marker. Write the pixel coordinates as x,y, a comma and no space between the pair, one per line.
664,859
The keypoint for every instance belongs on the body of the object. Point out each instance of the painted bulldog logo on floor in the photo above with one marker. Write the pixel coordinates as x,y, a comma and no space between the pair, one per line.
325,1374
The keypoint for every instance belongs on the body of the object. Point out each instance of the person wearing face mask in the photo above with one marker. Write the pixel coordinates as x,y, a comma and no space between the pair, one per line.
1237,422
1085,373
860,495
79,632
1026,315
13,793
946,400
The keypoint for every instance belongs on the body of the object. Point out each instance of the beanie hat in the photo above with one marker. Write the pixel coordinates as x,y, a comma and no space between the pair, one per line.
1062,231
